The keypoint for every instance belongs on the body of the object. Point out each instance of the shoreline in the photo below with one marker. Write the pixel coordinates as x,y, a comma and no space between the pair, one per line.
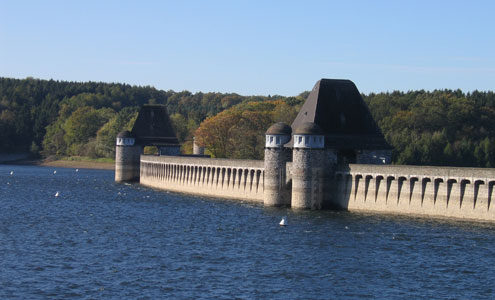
63,164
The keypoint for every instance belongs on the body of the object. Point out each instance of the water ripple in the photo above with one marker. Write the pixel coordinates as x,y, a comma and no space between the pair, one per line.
104,240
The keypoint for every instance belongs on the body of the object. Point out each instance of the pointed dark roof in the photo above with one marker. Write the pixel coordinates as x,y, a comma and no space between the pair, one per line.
153,127
340,111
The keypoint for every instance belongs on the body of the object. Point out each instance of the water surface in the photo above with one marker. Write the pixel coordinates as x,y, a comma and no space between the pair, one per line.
103,240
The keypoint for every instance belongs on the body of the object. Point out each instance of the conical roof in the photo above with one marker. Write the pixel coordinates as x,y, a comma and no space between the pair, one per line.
279,128
126,134
153,127
338,108
308,128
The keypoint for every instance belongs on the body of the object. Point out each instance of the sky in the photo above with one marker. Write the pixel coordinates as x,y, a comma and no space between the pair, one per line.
252,47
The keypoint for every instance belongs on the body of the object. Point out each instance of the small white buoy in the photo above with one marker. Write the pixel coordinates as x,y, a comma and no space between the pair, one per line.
77,170
55,172
11,172
346,227
57,194
283,222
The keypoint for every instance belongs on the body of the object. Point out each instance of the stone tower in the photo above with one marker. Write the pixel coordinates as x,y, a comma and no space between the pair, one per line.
308,166
152,128
127,156
276,190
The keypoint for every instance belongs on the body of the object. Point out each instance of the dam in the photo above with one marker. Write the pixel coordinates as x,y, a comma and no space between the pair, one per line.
333,156
433,191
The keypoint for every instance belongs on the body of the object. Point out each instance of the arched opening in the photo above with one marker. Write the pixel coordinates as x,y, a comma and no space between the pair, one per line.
477,184
378,181
464,183
436,186
425,182
357,180
450,186
390,180
258,176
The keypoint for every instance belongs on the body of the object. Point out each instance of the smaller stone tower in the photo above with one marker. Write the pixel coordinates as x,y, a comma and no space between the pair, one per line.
276,190
308,162
127,157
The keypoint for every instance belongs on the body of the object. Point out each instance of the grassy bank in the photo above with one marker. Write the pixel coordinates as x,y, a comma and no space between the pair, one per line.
80,162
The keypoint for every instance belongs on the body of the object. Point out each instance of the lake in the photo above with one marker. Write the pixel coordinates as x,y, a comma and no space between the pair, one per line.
103,240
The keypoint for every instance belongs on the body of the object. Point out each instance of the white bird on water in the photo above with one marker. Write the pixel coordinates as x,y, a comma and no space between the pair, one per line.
57,194
77,170
283,222
55,172
11,172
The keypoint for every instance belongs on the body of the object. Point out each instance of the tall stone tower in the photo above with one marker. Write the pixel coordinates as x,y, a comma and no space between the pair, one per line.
152,128
127,156
350,134
308,162
276,190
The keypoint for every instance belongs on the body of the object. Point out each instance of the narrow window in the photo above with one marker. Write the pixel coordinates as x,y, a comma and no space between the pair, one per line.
300,140
278,140
271,139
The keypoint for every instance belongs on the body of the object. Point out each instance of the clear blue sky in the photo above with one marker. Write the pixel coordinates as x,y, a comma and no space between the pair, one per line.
252,47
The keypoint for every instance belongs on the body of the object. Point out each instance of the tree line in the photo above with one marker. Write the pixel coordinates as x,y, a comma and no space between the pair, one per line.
63,118
439,128
47,117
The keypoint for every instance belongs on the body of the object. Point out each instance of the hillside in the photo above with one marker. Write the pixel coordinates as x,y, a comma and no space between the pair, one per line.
48,117
73,118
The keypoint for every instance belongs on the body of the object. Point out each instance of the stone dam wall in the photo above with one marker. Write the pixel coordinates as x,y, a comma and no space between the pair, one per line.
465,193
225,178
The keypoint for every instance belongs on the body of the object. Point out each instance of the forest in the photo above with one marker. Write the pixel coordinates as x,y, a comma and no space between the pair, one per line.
59,118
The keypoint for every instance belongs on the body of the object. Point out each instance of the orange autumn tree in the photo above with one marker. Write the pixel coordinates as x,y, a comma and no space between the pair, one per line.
238,132
216,134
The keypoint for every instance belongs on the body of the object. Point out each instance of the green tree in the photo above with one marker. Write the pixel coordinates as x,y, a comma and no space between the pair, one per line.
107,134
83,125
